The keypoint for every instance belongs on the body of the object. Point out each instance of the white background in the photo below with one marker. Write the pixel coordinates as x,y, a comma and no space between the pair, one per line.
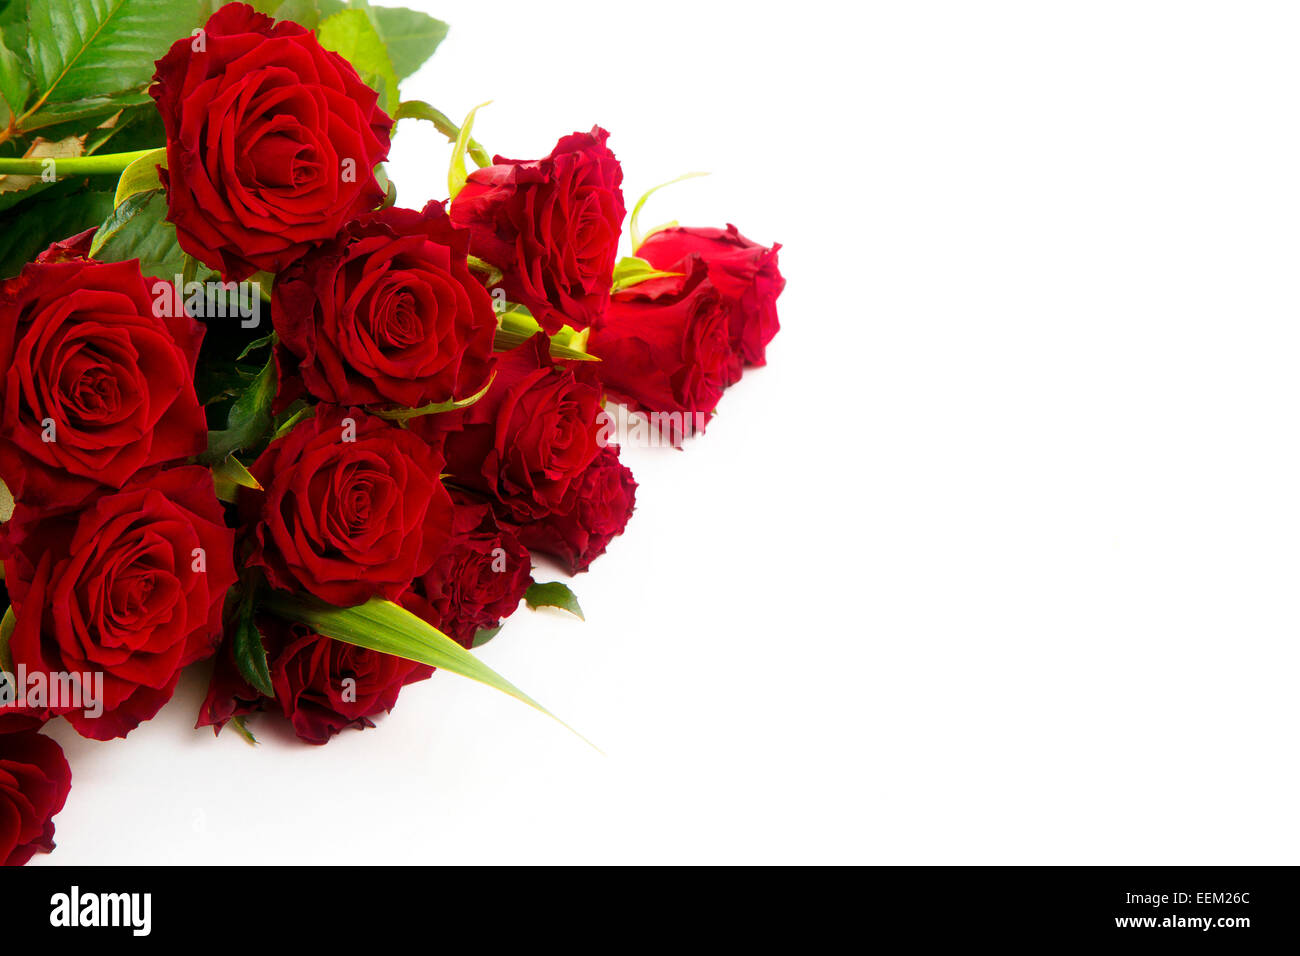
996,562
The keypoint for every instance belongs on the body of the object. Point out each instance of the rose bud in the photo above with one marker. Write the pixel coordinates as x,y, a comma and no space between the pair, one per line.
34,783
321,685
666,348
353,508
743,271
479,578
551,226
96,384
130,587
272,141
529,438
387,313
597,509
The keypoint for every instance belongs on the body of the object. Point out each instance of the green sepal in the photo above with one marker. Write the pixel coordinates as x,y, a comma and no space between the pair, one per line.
631,271
406,414
458,174
633,221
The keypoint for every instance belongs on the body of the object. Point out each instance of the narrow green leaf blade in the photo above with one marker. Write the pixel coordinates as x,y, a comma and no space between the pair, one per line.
458,174
406,414
633,221
391,629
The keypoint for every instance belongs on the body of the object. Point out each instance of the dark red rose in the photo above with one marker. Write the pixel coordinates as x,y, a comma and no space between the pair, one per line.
272,141
98,383
478,579
666,348
529,438
131,587
353,508
321,685
388,313
596,511
551,226
34,783
743,271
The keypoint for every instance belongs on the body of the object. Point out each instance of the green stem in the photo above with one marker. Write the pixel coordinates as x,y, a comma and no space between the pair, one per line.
417,109
99,165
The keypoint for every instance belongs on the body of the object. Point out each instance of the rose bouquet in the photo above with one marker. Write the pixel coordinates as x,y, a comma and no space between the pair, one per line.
257,411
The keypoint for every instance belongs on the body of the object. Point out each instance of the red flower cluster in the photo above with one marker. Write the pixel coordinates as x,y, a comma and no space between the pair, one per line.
396,447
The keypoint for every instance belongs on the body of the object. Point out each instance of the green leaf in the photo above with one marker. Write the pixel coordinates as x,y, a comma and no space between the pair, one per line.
91,107
406,414
250,653
138,229
352,35
229,476
301,414
485,634
249,419
632,271
140,176
302,12
458,174
391,629
553,594
253,346
61,211
241,728
633,224
90,48
15,71
411,37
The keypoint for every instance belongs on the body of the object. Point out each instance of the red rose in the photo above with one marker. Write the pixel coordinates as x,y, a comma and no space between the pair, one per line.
551,226
271,141
666,348
388,313
353,508
130,587
743,271
321,685
34,783
96,384
478,579
529,438
597,510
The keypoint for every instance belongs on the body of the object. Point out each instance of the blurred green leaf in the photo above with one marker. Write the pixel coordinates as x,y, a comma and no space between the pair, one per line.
352,35
410,36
